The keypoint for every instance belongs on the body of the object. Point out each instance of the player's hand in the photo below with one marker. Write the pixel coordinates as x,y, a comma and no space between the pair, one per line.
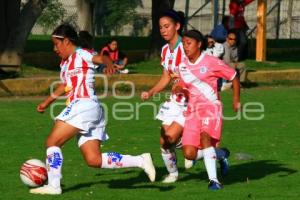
41,107
119,66
236,106
109,70
145,96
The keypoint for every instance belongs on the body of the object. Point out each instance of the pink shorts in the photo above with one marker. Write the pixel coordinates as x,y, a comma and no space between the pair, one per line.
206,119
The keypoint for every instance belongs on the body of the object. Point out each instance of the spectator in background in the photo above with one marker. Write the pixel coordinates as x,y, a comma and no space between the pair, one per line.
219,33
214,48
231,58
237,21
113,58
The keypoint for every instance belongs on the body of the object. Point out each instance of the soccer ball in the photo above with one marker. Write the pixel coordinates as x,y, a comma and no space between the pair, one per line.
33,173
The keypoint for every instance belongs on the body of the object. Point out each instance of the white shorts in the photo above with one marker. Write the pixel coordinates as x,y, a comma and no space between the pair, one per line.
171,112
88,116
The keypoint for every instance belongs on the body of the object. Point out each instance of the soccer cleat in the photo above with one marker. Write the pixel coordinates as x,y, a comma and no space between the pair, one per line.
124,71
46,189
170,178
188,163
213,185
224,165
148,166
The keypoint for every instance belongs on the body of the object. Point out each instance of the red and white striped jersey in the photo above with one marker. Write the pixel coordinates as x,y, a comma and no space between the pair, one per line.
77,73
170,59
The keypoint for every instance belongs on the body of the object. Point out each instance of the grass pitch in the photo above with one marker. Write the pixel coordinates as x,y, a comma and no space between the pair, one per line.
269,172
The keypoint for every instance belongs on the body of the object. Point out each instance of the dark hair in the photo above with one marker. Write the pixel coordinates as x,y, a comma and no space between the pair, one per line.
176,16
111,40
232,31
198,36
65,31
85,39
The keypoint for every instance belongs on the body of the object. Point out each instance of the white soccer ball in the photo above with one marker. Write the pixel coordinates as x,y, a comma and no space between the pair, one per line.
33,173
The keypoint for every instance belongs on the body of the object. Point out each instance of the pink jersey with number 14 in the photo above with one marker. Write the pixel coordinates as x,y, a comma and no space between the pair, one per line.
201,77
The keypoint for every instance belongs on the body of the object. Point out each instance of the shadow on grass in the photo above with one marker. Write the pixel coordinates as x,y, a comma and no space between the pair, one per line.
239,173
244,172
256,170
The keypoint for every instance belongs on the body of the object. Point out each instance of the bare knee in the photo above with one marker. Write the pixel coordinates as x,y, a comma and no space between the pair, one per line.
205,140
170,138
190,152
93,161
52,141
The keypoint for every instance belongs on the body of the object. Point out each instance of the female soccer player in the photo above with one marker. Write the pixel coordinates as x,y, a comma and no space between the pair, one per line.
171,112
170,24
202,129
83,117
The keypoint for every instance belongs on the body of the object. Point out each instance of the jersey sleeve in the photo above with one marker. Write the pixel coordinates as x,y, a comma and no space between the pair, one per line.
87,56
163,56
222,70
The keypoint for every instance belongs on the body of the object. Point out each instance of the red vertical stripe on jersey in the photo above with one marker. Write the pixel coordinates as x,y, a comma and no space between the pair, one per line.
178,57
74,78
83,84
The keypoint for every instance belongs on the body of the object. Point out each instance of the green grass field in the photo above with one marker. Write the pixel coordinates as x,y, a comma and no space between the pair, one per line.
272,142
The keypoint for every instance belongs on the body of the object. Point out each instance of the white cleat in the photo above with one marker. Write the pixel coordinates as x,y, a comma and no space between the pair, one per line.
170,178
148,166
46,189
188,163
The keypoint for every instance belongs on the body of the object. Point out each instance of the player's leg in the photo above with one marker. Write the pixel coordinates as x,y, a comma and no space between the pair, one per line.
60,134
169,136
209,155
222,155
94,158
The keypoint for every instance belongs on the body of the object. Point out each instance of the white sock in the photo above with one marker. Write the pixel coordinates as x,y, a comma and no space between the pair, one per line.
210,163
170,160
199,154
54,163
112,160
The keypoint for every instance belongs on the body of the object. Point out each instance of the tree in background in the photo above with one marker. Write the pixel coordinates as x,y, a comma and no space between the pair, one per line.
52,15
112,15
15,27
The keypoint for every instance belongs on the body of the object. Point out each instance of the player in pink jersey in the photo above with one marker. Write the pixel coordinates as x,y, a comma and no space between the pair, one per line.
202,129
83,117
171,112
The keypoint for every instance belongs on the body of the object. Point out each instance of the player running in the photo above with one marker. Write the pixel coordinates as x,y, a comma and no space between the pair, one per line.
202,129
83,117
171,112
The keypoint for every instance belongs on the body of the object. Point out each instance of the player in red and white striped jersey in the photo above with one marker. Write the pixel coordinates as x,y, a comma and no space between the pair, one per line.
171,112
83,117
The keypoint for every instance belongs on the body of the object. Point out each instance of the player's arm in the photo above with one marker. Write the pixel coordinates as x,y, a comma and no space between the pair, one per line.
60,90
236,94
99,59
246,2
124,63
159,86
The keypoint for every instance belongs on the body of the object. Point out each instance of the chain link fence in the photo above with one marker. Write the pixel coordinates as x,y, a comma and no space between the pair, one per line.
283,17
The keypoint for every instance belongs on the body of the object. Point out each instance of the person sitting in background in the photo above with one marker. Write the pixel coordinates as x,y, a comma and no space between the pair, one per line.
113,58
231,58
214,48
219,33
217,50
